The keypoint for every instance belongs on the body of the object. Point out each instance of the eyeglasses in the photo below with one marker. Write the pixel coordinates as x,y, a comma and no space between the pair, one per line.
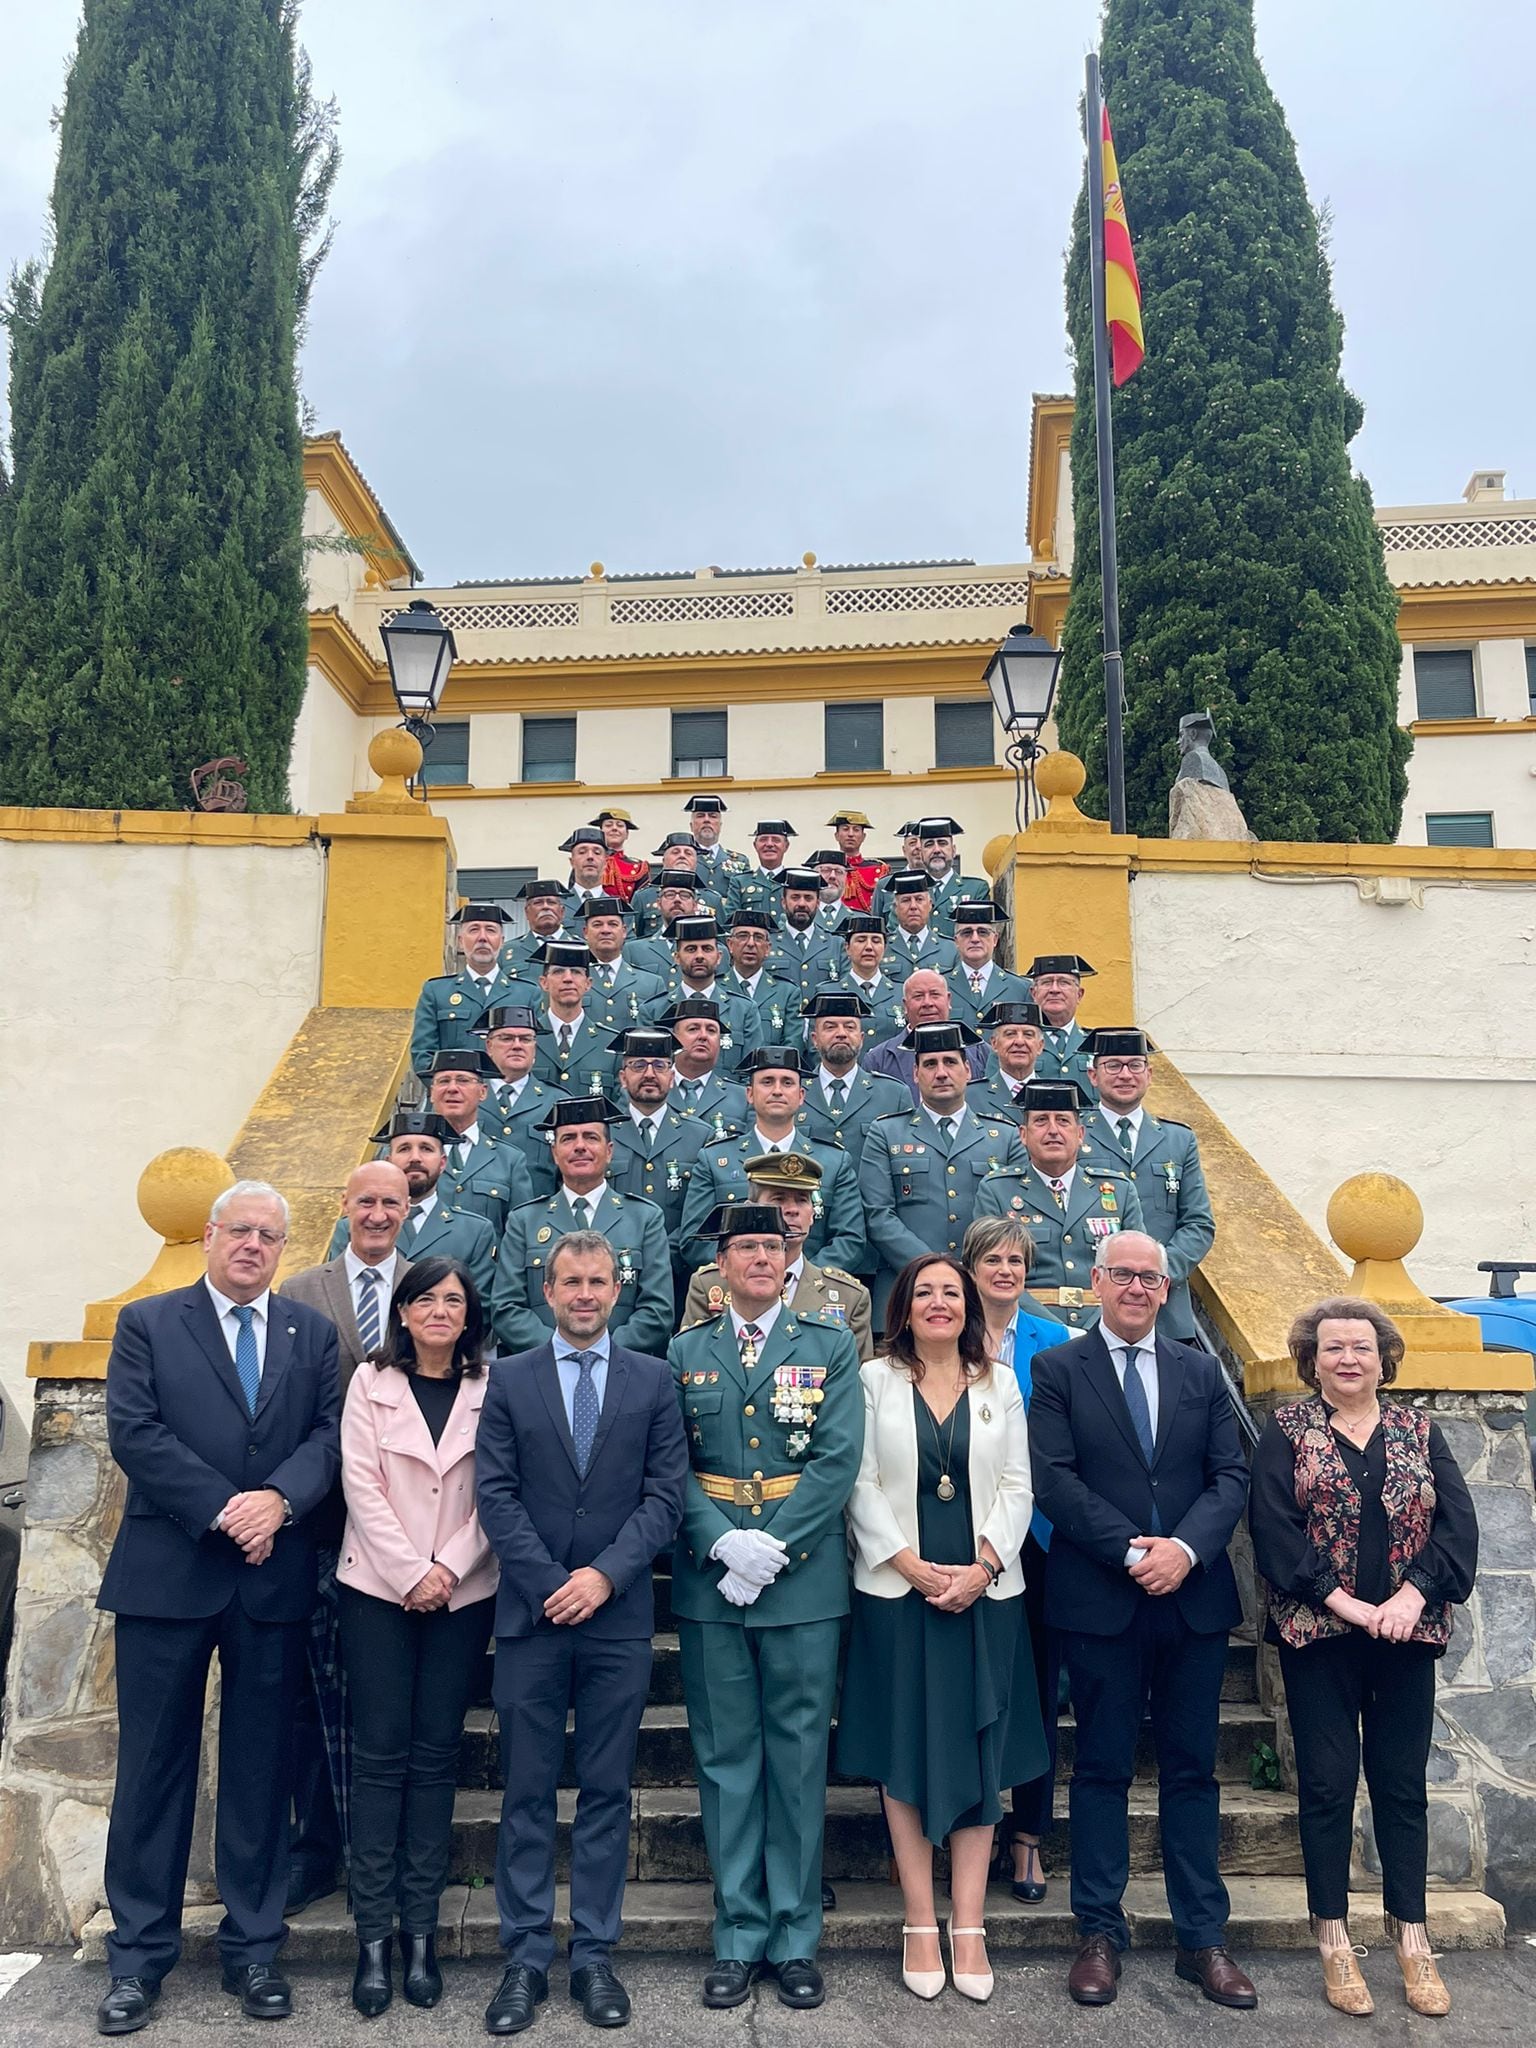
242,1233
1132,1066
1123,1276
648,1066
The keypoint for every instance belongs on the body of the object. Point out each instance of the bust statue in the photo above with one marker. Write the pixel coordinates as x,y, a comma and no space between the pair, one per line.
1201,804
1196,761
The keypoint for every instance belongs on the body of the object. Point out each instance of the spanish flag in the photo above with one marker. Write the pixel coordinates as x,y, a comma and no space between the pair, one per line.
1122,287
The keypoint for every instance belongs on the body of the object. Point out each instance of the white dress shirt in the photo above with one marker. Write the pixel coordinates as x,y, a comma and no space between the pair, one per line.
955,1116
593,1198
570,1371
229,1328
385,1268
1145,1357
766,1144
426,1205
764,1320
646,1119
509,1093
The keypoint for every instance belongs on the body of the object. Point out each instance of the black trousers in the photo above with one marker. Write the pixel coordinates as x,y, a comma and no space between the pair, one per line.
1034,1804
1158,1665
162,1677
411,1678
538,1679
1353,1698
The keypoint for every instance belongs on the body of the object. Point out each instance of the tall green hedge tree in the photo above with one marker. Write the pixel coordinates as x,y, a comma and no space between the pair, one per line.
1252,579
152,607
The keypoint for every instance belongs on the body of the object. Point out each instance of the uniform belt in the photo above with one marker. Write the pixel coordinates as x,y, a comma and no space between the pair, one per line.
1063,1297
747,1493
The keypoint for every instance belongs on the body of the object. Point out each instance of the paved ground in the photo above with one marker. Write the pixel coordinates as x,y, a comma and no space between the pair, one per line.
1494,1992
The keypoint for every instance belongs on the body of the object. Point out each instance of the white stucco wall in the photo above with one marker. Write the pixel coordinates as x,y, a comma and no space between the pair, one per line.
329,760
147,993
1334,1036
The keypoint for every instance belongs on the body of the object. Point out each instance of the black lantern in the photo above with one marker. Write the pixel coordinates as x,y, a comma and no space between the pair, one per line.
420,651
1022,679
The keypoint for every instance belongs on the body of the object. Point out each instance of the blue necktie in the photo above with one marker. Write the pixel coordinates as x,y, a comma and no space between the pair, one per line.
368,1328
1141,1418
247,1364
585,1409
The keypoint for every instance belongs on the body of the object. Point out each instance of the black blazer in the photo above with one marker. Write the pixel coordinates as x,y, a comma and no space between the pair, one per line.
1097,1491
178,1425
544,1520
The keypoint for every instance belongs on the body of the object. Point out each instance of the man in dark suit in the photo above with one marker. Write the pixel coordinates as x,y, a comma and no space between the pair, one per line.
581,1464
222,1412
1138,1469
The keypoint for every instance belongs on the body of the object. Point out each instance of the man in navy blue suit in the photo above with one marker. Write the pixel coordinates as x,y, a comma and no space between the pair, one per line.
1138,1469
581,1462
222,1412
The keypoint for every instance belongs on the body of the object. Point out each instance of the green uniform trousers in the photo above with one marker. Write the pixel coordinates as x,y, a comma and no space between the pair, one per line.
760,1706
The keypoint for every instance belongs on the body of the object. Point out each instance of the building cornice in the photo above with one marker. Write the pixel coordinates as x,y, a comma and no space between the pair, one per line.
330,470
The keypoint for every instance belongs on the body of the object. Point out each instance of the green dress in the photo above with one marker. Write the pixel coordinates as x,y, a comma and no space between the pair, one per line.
941,1709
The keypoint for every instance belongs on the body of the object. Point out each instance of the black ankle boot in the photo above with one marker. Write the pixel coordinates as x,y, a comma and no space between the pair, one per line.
423,1979
372,1986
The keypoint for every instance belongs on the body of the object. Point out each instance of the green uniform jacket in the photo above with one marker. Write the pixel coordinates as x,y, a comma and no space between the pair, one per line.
883,996
755,889
495,1181
643,1319
720,1175
741,1029
919,1199
517,954
588,1067
868,1096
450,1233
992,1096
734,1434
810,967
936,953
776,1000
1175,1206
826,1291
514,1126
955,889
1068,1061
630,1001
966,1007
648,918
664,1177
449,1007
1065,1240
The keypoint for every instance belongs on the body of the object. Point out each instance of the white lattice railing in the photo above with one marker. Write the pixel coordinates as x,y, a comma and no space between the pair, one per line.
491,618
1415,535
843,599
682,610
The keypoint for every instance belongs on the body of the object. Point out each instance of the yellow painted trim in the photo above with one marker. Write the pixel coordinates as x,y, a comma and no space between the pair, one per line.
1271,856
1048,606
330,470
1050,432
154,828
346,664
1466,611
458,792
1447,728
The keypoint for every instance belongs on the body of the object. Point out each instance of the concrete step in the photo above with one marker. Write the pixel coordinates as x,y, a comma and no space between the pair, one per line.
665,1754
1267,1913
666,1843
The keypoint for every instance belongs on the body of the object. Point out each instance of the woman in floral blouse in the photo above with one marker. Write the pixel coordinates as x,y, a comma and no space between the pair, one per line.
1364,1532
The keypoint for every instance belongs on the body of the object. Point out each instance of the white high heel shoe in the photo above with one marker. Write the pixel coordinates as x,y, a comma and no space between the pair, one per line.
921,1983
974,1984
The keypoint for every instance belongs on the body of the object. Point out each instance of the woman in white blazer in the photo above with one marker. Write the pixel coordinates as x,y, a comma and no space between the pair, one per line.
939,1703
417,1593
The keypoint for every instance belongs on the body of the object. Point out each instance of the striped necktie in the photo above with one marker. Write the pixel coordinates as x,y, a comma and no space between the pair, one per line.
369,1326
247,1364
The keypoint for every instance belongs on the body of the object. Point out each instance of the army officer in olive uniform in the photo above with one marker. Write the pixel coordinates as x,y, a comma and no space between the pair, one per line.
774,1410
921,1169
1163,1159
1067,1201
585,1200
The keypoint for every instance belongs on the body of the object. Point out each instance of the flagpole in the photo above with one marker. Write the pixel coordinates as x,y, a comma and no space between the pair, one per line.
1109,561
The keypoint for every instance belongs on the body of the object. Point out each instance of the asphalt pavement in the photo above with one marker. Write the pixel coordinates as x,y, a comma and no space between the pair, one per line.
1493,1993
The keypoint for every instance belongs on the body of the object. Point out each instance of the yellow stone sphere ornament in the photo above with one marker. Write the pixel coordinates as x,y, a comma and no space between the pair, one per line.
1375,1216
178,1188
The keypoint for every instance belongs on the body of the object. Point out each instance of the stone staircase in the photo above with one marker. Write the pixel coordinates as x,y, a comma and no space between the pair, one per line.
669,1903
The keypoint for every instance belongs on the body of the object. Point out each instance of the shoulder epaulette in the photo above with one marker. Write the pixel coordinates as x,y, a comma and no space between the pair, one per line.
1175,1123
837,1273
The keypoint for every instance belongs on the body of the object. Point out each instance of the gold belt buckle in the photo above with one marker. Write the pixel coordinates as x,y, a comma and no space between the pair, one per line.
749,1493
1070,1297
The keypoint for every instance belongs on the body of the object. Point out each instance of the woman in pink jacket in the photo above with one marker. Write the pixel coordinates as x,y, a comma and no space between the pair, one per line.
417,1592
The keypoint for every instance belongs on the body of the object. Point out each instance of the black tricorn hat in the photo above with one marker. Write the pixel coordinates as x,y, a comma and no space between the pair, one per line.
1123,1041
600,906
705,803
937,828
537,888
1013,1013
977,910
837,1002
458,1059
773,1059
749,920
853,922
951,1037
643,1042
743,1219
681,929
1058,963
416,1123
481,913
913,882
1061,1094
564,953
579,1109
584,835
691,1006
509,1017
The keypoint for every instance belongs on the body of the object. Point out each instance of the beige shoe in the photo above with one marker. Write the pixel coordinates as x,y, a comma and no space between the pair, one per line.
976,1984
1343,1986
921,1983
1423,1984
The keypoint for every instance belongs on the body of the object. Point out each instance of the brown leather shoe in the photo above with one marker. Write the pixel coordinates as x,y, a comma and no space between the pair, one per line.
1093,1978
1222,1982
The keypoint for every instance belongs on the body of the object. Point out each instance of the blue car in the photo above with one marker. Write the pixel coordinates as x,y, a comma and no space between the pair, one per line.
1508,1318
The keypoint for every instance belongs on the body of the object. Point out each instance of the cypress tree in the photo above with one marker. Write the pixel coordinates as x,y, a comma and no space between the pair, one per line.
152,601
1252,579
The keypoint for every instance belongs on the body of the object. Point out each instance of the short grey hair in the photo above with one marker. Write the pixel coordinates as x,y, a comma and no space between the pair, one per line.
252,1191
993,1233
581,1244
1104,1256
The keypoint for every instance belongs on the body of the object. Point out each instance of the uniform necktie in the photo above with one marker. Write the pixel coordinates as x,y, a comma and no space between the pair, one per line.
1123,1127
247,1364
585,1409
976,984
605,976
581,1209
751,1339
837,1093
647,1135
483,983
368,1283
1053,1039
413,1219
947,1130
464,1147
565,1040
1136,1401
805,942
1059,1190
690,1091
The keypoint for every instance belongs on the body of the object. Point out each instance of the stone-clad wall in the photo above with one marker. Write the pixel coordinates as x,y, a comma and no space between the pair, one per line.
61,1728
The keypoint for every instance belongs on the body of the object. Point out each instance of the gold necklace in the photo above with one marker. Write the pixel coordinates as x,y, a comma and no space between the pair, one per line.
946,1486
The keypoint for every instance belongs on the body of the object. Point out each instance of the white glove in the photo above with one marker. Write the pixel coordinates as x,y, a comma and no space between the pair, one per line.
740,1592
752,1554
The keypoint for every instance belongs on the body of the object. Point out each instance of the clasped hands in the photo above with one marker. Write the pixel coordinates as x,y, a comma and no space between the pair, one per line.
949,1587
432,1590
752,1559
1393,1621
252,1520
1163,1565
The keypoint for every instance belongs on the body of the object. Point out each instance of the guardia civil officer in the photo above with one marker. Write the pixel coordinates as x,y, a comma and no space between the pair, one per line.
1056,984
450,1005
774,1413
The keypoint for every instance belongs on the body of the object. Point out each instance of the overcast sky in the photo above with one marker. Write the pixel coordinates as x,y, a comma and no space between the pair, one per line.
668,282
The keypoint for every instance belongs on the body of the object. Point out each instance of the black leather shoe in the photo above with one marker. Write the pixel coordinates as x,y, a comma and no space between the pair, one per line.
728,1981
522,1989
372,1985
261,1988
306,1886
800,1984
604,2001
828,1898
423,1979
126,2006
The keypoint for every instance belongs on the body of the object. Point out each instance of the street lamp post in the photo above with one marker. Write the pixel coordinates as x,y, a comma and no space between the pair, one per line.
1021,677
420,651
